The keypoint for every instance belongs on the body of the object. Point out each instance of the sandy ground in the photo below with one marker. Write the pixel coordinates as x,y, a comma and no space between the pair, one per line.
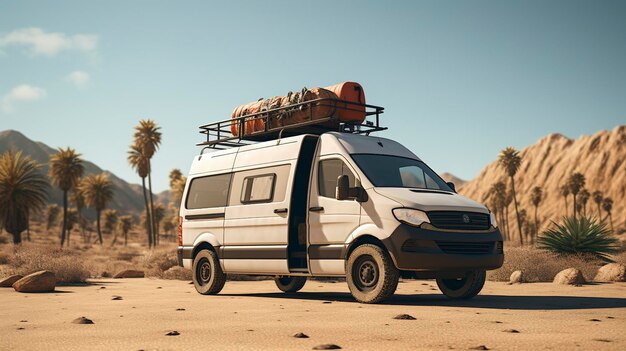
256,316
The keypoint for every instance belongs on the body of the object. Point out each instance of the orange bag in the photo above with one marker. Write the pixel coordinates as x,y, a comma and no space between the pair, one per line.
352,92
250,124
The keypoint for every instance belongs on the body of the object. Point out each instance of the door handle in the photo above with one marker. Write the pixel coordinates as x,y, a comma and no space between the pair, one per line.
280,210
316,209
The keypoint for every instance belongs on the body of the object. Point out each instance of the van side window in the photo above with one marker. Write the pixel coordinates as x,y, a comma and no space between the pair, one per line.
206,192
259,188
328,172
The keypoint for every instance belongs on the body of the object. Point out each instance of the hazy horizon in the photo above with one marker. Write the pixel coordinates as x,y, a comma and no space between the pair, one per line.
459,81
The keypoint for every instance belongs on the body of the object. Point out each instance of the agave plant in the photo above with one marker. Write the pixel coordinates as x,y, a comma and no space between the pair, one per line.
580,235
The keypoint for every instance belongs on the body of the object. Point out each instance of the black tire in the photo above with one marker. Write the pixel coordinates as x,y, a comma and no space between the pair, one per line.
290,284
208,277
371,274
463,288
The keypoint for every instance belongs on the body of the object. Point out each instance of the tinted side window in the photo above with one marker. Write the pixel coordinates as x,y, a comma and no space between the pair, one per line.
211,191
258,188
328,172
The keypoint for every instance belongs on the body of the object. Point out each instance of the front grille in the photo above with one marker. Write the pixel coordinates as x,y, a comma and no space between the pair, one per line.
465,248
457,220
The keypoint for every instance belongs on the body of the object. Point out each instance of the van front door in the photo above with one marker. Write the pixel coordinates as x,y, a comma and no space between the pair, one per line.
330,221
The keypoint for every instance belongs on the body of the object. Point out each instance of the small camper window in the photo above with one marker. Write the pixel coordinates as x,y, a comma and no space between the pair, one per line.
206,192
258,188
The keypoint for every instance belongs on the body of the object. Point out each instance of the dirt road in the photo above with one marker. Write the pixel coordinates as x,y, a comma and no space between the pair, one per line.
256,316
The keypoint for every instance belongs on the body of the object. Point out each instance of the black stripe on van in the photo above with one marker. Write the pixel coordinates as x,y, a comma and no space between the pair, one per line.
327,252
254,252
205,216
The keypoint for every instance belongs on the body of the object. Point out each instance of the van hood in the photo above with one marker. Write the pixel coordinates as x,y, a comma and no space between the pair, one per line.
427,200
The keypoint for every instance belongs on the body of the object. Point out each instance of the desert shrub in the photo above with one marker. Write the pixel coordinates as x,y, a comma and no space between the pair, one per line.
159,261
177,273
580,235
66,266
4,239
620,258
542,266
4,258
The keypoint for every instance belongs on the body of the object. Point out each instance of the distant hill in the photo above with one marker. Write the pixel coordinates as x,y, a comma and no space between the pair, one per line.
128,197
449,177
549,162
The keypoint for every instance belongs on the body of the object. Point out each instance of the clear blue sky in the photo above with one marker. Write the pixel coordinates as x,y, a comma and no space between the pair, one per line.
459,80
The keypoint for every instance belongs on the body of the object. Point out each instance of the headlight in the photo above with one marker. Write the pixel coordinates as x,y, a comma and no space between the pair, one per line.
410,216
492,219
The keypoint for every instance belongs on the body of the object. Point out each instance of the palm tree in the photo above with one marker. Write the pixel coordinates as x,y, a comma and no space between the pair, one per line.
498,195
66,168
52,214
71,219
140,163
159,214
98,190
607,205
510,160
175,175
536,196
125,225
148,138
597,198
565,194
584,197
110,220
23,190
576,182
78,199
177,190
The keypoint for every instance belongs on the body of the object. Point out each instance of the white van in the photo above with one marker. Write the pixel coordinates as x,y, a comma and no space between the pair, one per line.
332,204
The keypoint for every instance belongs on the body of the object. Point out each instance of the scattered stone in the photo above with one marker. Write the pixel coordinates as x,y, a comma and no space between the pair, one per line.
498,322
82,320
517,277
406,317
514,331
129,273
21,328
570,276
8,281
180,309
595,320
610,317
190,283
612,272
172,333
479,347
158,287
327,347
300,336
42,281
23,321
103,287
602,340
250,330
327,302
117,298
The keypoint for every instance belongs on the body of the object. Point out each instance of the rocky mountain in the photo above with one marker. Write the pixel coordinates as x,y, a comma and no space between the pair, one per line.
601,158
128,197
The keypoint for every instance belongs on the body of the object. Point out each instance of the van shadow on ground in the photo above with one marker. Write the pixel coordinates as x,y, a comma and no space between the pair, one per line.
482,301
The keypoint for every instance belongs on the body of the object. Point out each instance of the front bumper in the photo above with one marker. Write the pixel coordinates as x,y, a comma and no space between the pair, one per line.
419,249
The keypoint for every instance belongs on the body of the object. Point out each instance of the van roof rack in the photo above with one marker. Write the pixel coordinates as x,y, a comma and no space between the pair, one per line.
219,136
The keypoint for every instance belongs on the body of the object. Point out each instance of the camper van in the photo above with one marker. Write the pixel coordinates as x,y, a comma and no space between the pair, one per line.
320,203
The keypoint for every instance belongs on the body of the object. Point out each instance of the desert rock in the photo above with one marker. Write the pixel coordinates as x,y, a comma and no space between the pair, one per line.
130,273
8,281
612,272
42,281
406,317
570,276
327,347
82,320
517,277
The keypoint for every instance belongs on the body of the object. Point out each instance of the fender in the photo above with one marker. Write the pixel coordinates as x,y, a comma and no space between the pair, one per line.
381,233
208,238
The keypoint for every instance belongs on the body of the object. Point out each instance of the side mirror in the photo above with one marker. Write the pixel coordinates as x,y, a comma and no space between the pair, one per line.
451,185
343,188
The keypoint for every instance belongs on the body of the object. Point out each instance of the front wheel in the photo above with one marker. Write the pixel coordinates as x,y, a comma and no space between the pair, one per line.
463,288
290,284
370,274
208,277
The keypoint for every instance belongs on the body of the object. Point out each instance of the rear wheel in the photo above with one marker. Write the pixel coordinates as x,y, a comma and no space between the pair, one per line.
208,277
290,284
370,274
463,288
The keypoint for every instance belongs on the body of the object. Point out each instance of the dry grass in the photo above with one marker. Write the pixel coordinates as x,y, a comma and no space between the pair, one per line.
541,266
66,265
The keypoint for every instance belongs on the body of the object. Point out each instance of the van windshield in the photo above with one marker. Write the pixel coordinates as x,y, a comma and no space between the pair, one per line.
399,172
